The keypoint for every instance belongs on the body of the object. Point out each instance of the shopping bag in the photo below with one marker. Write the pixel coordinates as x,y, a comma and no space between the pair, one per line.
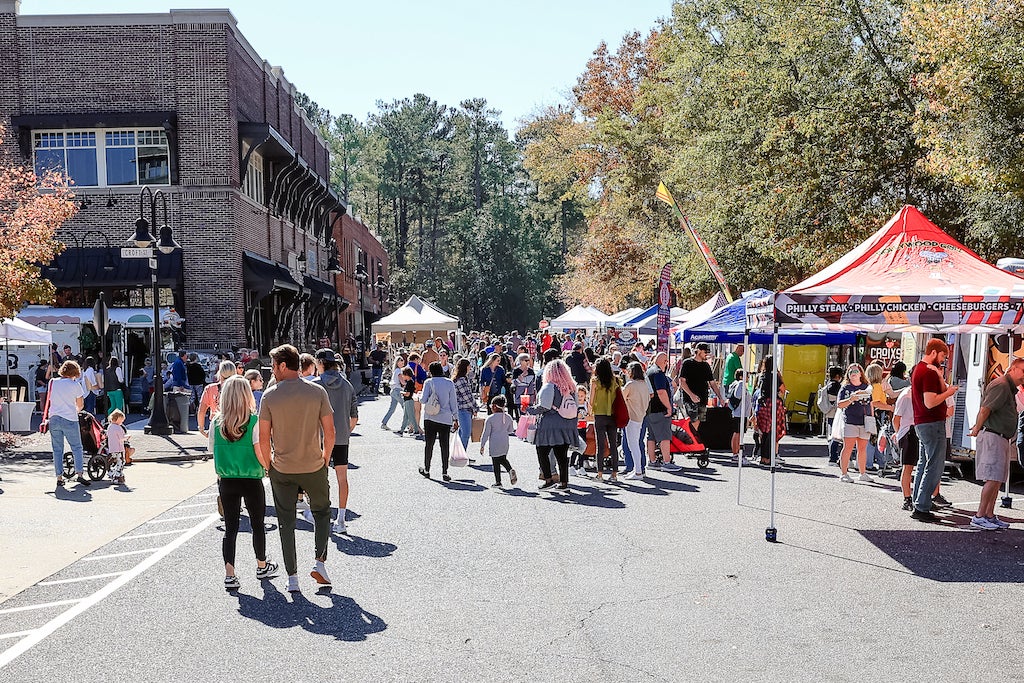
524,424
459,457
838,426
477,429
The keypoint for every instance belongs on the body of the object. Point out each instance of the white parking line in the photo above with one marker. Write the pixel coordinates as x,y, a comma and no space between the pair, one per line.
79,579
155,533
206,495
16,634
93,558
41,633
43,605
174,519
193,505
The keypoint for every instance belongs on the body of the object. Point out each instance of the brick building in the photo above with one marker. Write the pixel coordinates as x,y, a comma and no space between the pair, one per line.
180,103
361,252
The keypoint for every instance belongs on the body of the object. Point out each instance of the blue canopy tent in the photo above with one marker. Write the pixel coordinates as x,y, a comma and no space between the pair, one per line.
728,325
646,322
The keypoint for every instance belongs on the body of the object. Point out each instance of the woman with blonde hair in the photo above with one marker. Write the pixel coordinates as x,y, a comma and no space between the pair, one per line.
210,401
881,411
240,471
855,402
556,427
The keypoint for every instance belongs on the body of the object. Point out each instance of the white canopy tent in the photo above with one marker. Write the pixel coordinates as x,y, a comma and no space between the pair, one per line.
15,331
581,317
415,321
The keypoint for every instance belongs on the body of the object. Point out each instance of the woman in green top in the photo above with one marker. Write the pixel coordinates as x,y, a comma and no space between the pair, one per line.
233,438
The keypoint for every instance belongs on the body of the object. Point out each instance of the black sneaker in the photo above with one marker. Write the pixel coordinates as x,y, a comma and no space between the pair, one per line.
924,516
268,571
425,473
231,583
908,503
940,501
546,485
83,481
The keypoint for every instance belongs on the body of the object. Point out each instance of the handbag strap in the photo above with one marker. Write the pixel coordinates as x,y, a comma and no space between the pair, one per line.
46,406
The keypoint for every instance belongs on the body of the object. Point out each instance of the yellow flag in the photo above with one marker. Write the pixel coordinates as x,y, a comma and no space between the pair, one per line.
664,195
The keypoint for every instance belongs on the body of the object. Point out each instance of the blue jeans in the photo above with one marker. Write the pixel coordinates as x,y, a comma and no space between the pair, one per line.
90,403
396,402
465,426
627,455
930,465
377,374
835,448
62,428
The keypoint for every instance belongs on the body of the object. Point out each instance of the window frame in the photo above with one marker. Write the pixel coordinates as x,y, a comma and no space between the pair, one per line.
101,148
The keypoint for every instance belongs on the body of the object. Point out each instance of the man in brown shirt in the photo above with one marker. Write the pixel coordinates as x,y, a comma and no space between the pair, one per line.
294,414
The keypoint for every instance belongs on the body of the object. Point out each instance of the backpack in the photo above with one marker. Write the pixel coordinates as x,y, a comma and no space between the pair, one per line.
568,408
824,404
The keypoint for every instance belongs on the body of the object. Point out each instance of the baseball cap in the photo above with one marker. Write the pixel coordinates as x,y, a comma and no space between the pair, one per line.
327,356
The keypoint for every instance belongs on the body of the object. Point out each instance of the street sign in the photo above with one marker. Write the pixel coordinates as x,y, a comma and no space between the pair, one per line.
544,324
136,252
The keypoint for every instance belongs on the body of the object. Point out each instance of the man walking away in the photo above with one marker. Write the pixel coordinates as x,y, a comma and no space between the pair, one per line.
293,415
995,430
928,392
346,415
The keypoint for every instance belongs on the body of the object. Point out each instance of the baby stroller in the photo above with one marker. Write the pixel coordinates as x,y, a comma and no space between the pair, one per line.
94,447
686,442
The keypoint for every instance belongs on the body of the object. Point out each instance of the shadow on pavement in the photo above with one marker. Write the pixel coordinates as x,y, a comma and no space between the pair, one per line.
75,494
967,556
585,495
363,547
343,620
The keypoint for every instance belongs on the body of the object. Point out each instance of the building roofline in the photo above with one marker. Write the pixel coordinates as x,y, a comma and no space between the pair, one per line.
175,16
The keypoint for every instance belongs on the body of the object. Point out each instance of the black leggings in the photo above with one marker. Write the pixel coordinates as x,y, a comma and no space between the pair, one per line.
607,436
561,456
497,464
441,432
232,491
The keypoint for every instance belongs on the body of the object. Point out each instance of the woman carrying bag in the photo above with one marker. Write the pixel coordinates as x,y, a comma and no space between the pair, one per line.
556,427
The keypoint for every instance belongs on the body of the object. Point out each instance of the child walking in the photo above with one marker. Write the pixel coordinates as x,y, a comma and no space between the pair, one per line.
117,440
496,430
408,404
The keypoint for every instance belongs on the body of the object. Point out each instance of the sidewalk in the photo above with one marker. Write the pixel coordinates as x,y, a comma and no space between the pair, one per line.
44,528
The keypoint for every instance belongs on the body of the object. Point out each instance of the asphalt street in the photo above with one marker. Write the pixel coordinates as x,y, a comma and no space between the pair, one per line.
669,579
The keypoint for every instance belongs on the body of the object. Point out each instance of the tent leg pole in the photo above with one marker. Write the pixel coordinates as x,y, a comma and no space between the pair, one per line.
771,533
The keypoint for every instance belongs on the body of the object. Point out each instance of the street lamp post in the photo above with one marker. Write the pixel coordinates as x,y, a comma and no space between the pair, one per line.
143,238
363,277
334,269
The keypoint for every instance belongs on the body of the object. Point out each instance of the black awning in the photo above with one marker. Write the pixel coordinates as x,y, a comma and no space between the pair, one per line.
263,137
108,119
263,276
103,267
319,287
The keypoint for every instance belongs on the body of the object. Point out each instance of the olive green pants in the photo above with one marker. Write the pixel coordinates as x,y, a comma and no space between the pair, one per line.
286,491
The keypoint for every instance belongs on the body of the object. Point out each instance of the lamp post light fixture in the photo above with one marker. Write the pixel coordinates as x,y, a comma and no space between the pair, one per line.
165,244
363,277
334,269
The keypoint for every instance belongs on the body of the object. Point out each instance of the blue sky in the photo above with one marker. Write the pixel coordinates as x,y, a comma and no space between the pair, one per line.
347,55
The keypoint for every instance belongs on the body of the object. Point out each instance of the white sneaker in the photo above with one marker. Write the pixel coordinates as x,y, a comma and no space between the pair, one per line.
747,463
339,527
293,583
983,523
634,475
866,479
319,574
846,479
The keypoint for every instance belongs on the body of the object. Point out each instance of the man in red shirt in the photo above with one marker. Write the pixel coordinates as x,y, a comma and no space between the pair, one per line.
928,394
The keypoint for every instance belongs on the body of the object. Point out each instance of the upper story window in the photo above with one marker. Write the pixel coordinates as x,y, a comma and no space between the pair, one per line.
253,185
103,157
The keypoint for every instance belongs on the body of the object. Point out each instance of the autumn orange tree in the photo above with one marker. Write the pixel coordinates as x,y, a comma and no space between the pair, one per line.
31,211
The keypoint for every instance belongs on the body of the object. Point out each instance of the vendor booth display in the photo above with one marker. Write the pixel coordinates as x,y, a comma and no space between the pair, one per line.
416,321
909,276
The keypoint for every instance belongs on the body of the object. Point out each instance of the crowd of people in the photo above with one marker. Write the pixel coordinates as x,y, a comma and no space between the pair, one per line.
553,391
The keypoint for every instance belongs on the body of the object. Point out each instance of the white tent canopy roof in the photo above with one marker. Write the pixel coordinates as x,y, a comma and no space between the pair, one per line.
416,314
17,331
585,317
